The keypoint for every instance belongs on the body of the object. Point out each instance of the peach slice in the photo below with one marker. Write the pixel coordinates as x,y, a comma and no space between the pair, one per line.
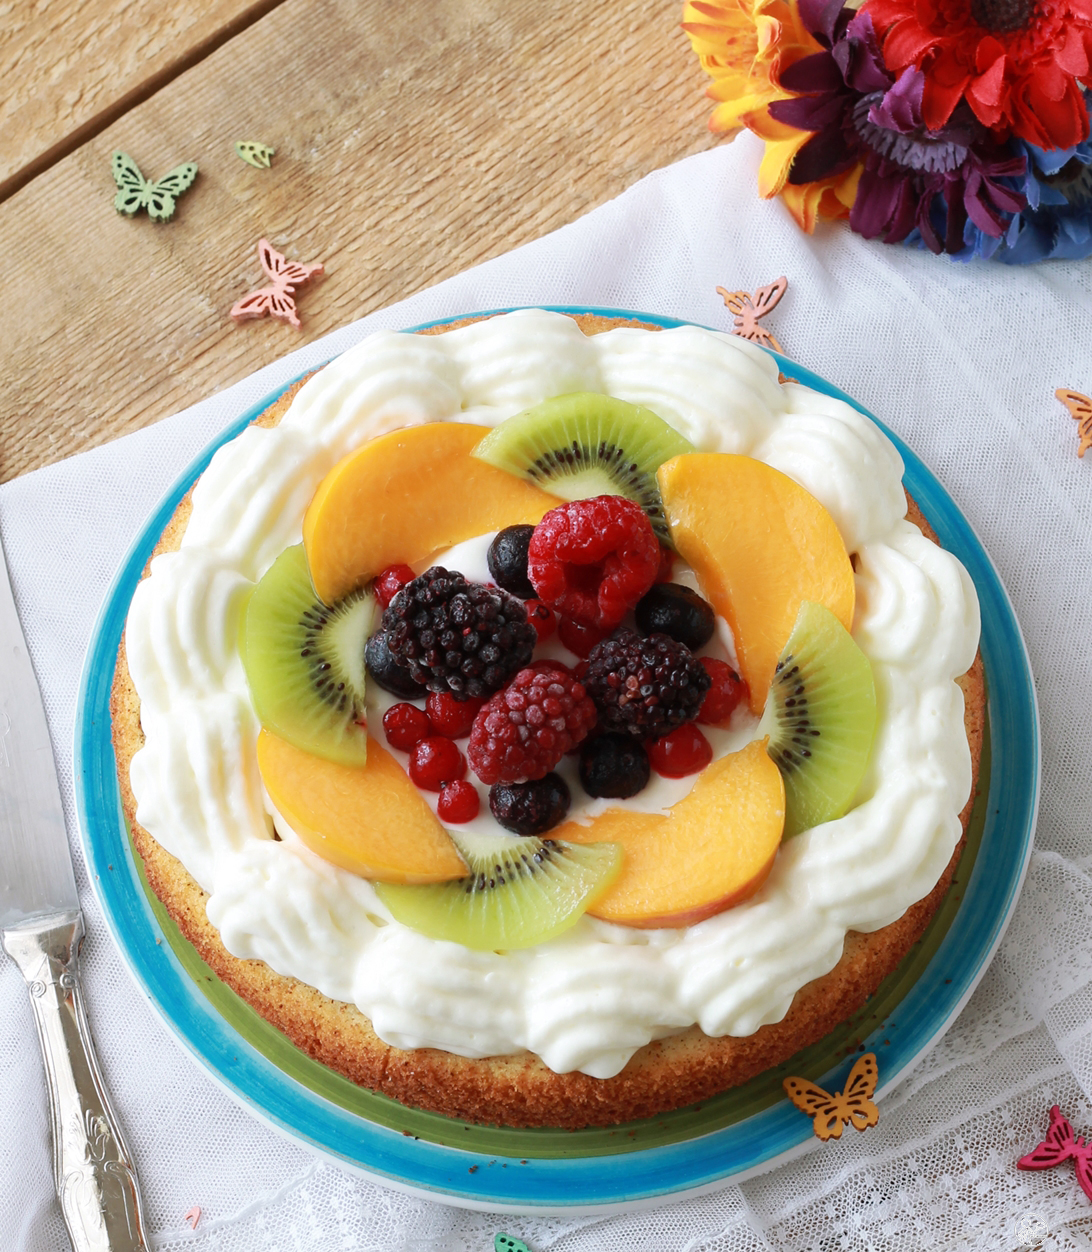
368,819
714,849
402,497
760,545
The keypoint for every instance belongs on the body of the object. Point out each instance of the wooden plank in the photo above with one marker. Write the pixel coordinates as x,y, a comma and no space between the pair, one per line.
413,141
70,67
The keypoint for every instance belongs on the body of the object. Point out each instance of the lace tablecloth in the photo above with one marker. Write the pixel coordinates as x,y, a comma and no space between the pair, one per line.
963,362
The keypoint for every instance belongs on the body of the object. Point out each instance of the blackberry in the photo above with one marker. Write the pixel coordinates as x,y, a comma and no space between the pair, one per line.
675,610
388,671
457,636
530,808
507,560
644,687
613,766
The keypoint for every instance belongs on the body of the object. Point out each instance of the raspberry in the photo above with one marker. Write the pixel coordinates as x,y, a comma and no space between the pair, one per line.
524,730
459,802
646,687
457,636
684,751
728,690
391,582
449,716
405,725
435,761
592,560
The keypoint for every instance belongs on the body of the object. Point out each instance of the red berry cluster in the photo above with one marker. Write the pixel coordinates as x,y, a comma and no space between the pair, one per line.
523,731
592,560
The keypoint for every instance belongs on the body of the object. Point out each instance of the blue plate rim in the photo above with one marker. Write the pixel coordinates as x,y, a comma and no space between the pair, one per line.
589,1184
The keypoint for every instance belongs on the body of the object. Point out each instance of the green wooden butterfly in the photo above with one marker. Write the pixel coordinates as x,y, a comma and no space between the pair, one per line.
136,193
505,1243
260,155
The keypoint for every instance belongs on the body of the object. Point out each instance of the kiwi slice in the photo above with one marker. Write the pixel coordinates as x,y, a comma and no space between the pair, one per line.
820,717
585,444
520,891
304,661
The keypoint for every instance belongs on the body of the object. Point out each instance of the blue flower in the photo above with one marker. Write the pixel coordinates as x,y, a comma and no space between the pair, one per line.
1057,224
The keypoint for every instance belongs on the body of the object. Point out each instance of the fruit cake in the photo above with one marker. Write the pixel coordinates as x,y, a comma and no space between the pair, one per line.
552,721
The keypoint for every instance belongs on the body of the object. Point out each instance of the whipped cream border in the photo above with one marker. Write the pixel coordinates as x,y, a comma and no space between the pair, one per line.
589,999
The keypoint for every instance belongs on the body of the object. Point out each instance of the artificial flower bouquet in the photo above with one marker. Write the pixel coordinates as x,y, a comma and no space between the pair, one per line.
956,125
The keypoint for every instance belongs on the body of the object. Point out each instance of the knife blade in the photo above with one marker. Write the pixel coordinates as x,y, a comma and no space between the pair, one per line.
41,929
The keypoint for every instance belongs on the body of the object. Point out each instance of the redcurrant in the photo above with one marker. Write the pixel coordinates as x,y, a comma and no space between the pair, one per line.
459,802
405,725
728,690
391,581
435,761
449,716
685,751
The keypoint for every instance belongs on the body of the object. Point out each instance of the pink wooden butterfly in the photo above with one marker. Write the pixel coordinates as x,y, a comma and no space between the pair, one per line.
276,301
747,309
1059,1146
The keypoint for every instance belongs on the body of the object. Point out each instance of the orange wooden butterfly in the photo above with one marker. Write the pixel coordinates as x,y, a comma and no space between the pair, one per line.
747,309
854,1106
276,301
1080,408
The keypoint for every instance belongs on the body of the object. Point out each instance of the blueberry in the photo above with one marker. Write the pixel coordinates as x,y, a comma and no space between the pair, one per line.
674,610
388,671
614,766
507,560
530,808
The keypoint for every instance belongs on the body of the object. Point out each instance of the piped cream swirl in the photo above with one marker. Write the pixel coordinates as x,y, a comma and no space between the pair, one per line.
589,999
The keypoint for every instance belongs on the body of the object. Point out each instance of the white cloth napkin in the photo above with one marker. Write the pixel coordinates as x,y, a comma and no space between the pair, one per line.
963,362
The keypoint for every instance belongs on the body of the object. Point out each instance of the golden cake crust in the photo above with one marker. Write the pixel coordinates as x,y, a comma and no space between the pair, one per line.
520,1090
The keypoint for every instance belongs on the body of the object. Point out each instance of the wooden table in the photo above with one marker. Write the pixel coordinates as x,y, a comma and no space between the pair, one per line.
412,140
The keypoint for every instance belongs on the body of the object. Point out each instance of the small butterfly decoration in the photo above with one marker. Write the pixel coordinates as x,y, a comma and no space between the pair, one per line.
1080,409
193,1216
506,1243
747,309
276,301
1059,1145
136,193
260,155
854,1106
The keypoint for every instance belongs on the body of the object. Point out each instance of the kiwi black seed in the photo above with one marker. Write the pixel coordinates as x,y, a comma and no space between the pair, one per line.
304,661
585,444
518,892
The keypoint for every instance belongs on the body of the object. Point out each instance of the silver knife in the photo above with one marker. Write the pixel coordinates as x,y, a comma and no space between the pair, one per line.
41,928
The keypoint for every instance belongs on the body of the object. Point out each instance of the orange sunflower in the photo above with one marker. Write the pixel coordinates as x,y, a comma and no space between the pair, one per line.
745,46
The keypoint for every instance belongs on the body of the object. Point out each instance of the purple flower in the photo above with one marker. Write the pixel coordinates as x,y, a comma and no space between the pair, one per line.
912,180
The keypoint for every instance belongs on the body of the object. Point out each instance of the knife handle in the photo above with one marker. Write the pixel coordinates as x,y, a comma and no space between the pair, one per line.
92,1170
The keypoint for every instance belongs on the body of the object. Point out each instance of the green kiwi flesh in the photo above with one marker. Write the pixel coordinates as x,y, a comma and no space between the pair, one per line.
585,444
304,661
820,717
521,891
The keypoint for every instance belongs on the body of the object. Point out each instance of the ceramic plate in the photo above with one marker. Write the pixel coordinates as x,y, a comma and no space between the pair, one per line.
642,1163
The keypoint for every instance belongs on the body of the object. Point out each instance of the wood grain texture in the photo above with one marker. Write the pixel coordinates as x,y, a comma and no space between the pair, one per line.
412,141
68,64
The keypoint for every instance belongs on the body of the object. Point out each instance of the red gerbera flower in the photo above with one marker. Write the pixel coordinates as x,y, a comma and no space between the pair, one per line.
1019,63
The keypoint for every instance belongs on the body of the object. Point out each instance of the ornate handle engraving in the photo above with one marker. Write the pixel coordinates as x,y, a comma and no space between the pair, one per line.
91,1167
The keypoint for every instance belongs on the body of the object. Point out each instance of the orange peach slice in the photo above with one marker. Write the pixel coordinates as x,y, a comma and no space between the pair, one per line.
368,819
714,849
402,497
760,545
